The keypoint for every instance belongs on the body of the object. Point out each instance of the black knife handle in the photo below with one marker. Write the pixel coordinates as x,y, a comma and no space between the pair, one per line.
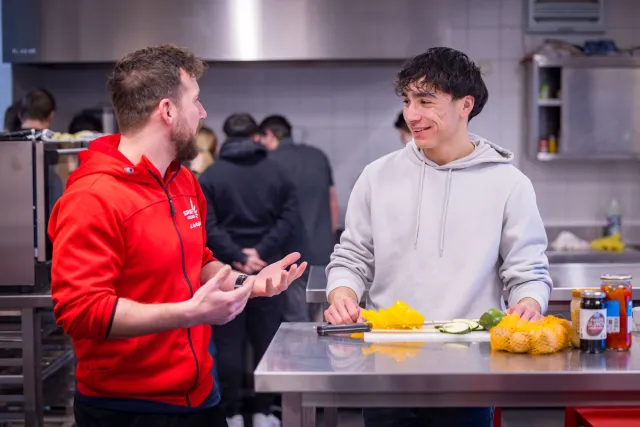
324,330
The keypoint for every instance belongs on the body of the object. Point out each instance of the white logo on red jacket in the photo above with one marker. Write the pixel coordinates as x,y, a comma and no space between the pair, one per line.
192,214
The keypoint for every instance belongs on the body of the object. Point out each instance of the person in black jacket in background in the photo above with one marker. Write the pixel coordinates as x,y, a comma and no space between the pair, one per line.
252,214
309,170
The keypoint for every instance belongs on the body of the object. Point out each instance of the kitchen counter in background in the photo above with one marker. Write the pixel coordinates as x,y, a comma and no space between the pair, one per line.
565,276
629,255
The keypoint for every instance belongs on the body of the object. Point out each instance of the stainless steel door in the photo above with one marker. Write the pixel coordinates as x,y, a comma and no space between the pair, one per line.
32,178
601,111
16,213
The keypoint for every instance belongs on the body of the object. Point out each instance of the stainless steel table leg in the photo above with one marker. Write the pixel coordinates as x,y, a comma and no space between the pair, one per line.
32,368
330,417
308,417
292,410
39,366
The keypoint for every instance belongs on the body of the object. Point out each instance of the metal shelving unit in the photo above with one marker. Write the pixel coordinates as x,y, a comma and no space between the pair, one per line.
34,357
587,104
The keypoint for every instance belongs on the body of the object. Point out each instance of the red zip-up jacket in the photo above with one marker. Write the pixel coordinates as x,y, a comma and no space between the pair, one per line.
123,231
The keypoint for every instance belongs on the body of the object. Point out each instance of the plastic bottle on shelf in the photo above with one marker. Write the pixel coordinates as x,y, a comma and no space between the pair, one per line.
614,219
553,144
543,146
544,91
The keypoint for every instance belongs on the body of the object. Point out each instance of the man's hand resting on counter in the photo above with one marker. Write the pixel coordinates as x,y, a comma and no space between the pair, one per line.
527,309
343,309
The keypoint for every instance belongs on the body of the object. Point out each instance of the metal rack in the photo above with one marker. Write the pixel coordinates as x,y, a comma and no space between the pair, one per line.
565,93
32,351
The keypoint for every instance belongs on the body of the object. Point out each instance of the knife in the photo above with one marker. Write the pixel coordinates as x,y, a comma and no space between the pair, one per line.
324,330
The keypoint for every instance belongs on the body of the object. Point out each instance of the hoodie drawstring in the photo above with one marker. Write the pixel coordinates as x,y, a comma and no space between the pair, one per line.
445,210
415,242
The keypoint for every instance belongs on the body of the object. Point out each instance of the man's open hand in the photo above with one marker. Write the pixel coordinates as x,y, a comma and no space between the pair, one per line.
275,278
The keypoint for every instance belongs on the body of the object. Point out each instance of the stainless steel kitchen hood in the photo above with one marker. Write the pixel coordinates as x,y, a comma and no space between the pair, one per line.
76,31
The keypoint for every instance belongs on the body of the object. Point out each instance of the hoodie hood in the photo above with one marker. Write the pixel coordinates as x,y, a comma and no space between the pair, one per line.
103,157
239,149
484,152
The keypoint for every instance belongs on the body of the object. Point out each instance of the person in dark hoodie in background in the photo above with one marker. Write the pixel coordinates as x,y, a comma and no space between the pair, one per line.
252,213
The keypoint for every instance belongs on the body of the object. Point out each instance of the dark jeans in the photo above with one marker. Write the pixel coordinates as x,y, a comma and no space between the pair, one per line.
258,324
89,416
428,417
214,353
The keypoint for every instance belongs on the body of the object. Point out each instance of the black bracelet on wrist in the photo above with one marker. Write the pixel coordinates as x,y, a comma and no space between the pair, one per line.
240,280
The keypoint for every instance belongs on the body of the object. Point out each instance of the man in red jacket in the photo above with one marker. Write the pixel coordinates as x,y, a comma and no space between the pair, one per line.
133,282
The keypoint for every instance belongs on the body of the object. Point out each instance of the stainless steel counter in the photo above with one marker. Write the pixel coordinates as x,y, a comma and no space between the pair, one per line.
313,371
629,256
566,277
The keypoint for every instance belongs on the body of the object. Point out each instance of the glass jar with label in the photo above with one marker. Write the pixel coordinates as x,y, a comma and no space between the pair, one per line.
575,314
619,303
593,322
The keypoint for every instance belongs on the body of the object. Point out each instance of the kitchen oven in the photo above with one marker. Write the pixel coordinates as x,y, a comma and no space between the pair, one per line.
34,166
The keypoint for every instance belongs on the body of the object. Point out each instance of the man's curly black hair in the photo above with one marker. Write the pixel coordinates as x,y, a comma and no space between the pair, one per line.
446,70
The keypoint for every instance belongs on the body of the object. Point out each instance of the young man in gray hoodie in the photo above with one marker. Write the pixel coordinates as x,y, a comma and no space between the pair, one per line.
444,224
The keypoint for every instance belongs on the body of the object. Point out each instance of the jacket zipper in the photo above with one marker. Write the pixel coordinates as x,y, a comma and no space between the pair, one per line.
184,273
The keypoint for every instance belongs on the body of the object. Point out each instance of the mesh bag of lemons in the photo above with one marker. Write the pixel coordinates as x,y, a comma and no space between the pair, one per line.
397,316
543,336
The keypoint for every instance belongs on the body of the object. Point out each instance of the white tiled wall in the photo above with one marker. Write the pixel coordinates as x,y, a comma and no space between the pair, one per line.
348,109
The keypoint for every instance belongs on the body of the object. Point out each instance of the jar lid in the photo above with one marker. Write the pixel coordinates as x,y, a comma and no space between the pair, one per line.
593,294
615,277
576,293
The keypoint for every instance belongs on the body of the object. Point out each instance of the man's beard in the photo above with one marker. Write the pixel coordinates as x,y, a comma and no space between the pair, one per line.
184,143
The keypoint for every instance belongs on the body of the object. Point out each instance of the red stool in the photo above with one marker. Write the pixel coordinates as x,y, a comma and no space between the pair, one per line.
609,416
497,417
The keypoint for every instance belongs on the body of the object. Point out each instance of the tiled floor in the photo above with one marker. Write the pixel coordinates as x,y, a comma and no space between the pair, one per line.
353,418
510,418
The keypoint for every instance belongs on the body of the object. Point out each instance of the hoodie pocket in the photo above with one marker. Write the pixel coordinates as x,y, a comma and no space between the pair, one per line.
111,355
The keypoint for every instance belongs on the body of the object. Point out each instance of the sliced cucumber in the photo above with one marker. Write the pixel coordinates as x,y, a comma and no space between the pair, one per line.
456,328
472,323
480,327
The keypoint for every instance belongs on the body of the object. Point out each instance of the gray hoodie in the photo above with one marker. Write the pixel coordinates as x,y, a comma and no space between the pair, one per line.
445,239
